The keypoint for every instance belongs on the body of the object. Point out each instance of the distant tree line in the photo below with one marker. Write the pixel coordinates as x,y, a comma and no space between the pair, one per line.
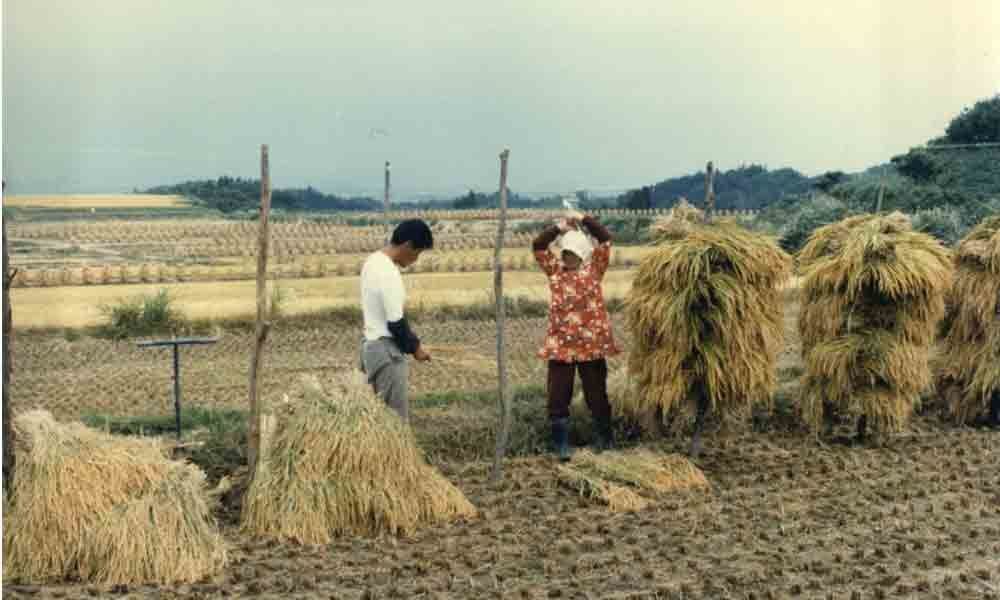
748,187
233,194
473,200
946,190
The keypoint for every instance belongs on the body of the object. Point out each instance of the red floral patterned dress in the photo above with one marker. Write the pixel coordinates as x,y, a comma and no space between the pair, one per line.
579,327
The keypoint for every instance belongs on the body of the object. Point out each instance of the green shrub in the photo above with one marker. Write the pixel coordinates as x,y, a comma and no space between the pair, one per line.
811,214
943,223
141,315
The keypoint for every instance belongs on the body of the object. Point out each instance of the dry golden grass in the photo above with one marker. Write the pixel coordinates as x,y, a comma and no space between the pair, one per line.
85,201
340,462
78,306
104,509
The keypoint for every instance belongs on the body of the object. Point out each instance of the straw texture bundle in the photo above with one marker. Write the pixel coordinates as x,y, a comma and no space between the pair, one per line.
626,480
706,317
678,222
872,295
105,509
969,365
340,462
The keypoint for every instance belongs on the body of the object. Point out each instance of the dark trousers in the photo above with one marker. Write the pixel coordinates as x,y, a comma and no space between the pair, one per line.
593,375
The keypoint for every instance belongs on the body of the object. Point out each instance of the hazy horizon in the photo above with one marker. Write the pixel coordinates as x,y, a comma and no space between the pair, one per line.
119,94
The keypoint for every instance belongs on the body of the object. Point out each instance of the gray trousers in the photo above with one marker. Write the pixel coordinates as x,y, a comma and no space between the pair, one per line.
387,370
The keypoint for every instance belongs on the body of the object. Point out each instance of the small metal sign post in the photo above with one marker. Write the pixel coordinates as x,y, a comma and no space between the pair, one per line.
175,342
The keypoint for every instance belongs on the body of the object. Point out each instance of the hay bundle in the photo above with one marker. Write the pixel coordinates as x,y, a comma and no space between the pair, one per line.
342,463
706,316
970,359
105,510
627,480
678,222
872,294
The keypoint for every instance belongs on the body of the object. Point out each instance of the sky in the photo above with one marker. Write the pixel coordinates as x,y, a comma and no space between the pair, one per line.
103,96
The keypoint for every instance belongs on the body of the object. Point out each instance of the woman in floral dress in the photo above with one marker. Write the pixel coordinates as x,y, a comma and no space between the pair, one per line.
579,337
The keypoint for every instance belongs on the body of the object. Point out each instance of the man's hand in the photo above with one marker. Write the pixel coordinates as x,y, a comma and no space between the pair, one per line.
421,355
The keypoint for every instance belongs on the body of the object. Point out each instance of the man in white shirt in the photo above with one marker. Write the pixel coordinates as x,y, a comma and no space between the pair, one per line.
388,337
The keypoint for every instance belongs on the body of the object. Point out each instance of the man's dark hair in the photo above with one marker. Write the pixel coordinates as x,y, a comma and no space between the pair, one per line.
414,231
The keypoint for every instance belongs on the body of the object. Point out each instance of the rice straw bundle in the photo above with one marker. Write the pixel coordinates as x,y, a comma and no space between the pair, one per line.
970,359
616,497
706,315
872,295
342,463
105,509
678,222
626,480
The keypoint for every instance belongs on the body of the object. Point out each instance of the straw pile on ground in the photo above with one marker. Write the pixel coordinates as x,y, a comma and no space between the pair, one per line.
872,295
706,316
341,463
627,480
104,509
970,358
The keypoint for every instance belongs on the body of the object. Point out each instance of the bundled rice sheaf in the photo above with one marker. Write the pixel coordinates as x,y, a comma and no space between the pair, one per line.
340,462
104,509
872,294
678,222
626,480
969,365
706,317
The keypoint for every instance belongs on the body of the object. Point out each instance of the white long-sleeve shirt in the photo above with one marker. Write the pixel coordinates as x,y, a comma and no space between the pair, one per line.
382,295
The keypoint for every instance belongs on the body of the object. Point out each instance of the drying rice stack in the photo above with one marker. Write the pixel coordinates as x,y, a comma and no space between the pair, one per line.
104,509
342,463
706,316
872,295
678,222
970,358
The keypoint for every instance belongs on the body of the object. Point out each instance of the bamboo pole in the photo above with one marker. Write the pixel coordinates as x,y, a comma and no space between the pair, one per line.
8,429
503,402
263,315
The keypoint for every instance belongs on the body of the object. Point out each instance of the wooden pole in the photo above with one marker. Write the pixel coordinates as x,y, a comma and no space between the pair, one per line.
503,402
709,191
263,315
8,426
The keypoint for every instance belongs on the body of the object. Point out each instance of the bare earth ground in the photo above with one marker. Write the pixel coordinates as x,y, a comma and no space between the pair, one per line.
915,516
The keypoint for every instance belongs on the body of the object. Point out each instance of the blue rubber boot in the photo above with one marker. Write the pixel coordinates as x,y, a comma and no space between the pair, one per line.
560,438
